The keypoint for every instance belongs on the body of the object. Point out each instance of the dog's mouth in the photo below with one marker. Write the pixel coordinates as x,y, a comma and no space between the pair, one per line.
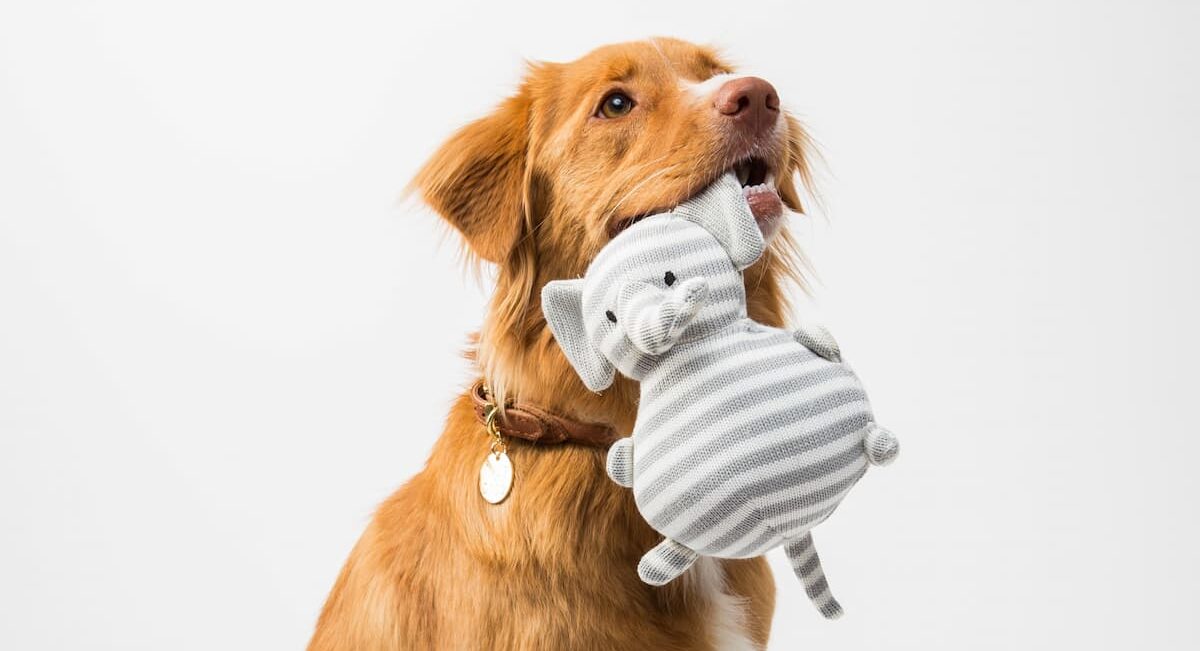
758,186
751,171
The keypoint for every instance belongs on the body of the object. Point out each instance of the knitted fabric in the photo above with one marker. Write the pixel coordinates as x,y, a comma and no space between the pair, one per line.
747,436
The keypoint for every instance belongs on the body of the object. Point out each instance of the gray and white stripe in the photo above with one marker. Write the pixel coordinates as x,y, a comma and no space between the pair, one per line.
745,438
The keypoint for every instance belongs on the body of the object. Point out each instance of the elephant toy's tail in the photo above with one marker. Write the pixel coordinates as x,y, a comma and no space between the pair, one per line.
807,565
882,446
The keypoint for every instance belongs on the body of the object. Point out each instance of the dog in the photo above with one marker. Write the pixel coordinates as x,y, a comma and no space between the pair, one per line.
581,151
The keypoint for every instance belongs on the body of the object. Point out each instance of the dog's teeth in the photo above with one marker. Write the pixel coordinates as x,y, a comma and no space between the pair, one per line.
743,173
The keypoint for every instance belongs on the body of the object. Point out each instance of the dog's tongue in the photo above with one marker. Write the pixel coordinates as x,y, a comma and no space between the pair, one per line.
764,202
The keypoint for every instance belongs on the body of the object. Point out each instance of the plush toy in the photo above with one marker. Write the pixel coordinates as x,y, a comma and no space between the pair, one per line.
746,436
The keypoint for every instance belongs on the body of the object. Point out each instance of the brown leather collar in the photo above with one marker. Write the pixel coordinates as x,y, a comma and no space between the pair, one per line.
536,425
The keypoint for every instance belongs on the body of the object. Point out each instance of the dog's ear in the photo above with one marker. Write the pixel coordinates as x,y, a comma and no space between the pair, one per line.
477,179
562,303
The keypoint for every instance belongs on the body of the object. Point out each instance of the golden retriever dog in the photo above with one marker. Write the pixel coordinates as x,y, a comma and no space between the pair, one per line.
537,187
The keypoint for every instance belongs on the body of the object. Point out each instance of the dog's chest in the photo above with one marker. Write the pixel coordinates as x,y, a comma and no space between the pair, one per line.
727,616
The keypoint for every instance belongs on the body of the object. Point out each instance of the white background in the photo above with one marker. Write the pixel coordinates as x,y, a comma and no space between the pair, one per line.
223,340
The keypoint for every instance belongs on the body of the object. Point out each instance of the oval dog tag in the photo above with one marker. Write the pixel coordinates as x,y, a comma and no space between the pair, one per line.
495,477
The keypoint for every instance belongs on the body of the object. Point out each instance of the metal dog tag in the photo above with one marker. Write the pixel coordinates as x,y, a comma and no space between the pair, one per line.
495,477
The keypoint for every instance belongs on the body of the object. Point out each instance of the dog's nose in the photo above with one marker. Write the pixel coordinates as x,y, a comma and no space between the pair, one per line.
751,102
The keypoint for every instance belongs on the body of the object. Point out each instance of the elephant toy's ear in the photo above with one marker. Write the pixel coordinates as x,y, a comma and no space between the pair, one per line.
723,211
562,303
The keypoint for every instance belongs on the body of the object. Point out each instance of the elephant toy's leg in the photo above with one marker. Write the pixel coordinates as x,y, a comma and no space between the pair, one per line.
620,462
807,565
665,562
817,339
882,446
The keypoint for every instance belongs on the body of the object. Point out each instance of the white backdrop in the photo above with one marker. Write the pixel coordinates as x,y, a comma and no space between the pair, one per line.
208,300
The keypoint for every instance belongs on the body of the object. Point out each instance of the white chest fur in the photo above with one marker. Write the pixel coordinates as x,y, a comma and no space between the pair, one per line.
727,613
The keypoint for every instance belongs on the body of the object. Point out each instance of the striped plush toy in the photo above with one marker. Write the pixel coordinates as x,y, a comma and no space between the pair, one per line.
746,436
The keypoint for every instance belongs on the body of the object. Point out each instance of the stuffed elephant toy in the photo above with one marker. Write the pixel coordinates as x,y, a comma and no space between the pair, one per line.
747,436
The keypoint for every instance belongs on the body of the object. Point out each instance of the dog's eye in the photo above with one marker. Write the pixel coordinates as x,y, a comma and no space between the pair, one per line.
611,317
669,279
614,105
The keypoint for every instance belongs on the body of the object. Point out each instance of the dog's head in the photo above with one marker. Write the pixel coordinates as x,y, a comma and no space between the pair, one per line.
586,148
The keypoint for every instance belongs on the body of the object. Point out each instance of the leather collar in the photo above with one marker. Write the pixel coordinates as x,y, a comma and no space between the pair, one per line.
536,425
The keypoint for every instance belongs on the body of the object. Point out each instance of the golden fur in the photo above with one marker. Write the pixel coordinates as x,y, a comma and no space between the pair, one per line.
535,188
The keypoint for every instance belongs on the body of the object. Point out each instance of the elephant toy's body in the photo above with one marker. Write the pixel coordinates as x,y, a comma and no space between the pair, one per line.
740,453
747,436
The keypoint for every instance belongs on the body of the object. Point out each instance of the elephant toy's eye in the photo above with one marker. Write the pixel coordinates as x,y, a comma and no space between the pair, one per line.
669,279
611,317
